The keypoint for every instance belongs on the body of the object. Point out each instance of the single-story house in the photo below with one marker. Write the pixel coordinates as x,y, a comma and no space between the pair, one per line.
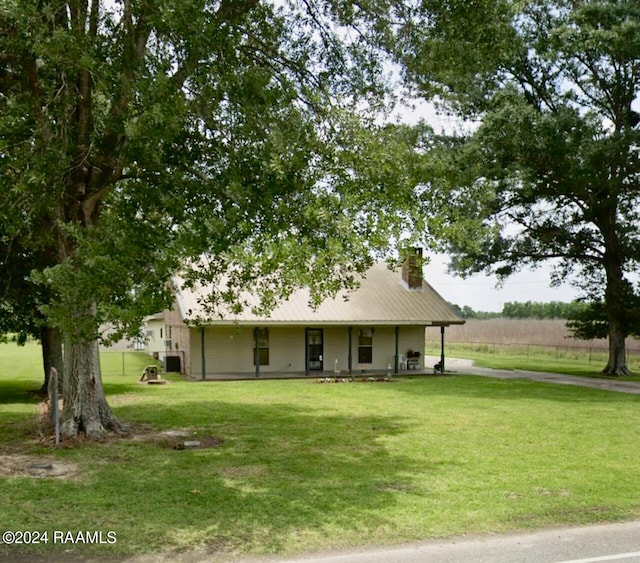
380,327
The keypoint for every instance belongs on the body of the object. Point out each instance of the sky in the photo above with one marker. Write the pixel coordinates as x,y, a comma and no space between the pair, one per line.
480,293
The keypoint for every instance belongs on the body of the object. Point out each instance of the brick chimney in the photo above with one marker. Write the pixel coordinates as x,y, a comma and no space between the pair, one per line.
412,268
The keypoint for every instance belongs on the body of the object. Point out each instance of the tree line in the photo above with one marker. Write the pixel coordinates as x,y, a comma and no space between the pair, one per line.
527,310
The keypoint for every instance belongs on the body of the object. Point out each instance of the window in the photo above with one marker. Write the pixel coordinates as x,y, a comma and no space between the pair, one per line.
365,346
261,339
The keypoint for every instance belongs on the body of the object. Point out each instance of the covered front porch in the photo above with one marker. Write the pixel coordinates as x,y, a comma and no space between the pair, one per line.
273,351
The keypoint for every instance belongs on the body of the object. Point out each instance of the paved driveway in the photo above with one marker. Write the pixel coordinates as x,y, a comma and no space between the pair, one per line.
561,379
461,366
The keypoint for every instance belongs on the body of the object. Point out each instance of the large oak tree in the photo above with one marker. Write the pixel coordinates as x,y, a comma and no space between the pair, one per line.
145,138
550,168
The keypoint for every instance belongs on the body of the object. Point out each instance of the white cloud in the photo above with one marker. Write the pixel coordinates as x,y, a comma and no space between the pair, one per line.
481,294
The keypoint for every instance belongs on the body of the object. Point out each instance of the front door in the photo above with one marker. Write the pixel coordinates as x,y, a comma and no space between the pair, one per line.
315,349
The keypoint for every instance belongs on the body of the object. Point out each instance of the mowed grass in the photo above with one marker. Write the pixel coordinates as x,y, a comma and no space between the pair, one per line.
306,466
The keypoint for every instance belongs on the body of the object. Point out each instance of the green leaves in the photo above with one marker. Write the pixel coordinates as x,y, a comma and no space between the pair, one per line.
552,170
147,138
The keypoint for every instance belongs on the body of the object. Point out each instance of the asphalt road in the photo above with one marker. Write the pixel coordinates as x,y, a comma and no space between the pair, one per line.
587,544
612,543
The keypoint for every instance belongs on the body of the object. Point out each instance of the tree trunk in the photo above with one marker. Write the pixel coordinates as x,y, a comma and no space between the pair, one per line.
615,293
85,407
51,340
617,364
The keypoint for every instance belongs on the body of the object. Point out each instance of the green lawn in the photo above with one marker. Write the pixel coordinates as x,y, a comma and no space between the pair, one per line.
307,466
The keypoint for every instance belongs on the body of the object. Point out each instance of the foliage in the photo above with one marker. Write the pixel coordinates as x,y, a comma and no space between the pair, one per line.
590,321
538,310
467,312
234,143
550,169
138,137
20,298
526,310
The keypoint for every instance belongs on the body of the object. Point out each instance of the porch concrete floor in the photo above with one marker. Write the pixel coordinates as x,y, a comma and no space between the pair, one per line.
450,364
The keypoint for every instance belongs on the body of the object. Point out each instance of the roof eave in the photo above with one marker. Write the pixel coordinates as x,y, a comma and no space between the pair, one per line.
304,323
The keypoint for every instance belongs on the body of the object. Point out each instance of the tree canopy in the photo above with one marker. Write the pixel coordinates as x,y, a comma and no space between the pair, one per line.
144,138
549,170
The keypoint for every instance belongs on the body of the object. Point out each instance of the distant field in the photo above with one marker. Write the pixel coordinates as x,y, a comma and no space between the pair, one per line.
544,345
542,332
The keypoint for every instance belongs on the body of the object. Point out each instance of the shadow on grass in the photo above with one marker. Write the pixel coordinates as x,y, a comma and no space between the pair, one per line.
112,388
283,479
286,476
19,391
27,391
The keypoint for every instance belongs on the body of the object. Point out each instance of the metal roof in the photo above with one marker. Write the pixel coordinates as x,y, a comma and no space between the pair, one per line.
383,298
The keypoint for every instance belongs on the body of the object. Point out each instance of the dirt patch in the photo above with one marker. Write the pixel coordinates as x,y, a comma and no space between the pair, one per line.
199,443
37,467
13,464
210,441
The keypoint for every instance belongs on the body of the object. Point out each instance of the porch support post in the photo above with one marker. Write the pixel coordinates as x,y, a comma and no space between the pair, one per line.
256,351
306,351
442,349
203,361
396,365
350,350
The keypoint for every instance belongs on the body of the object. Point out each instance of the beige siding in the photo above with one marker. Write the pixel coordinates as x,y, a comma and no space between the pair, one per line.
286,350
230,349
179,334
384,345
336,347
